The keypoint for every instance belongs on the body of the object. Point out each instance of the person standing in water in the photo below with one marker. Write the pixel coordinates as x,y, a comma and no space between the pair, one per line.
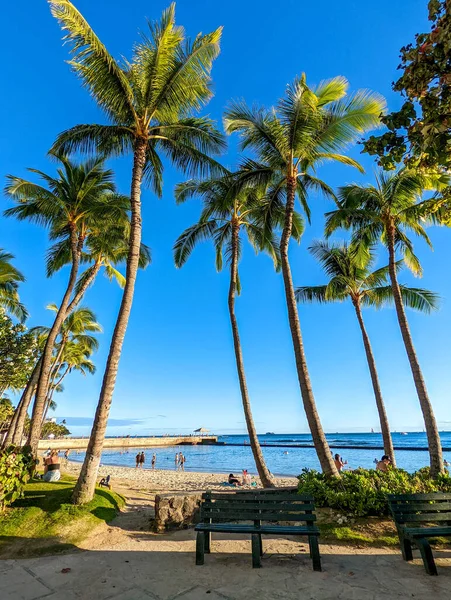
182,461
176,461
154,460
142,460
138,460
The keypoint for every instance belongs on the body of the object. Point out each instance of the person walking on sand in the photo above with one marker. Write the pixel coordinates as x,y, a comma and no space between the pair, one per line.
154,460
176,461
138,460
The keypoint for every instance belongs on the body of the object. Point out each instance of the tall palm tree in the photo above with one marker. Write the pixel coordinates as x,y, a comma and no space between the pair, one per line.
67,205
227,215
389,211
149,103
353,279
10,277
307,127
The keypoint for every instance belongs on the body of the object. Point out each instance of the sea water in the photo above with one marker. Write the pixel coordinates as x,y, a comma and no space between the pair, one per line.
287,460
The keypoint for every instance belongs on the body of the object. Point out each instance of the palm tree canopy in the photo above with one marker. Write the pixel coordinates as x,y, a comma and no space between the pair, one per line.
151,98
351,278
308,126
394,201
226,203
10,277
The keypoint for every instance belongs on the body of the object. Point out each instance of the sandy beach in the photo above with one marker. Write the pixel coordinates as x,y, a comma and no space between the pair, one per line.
162,480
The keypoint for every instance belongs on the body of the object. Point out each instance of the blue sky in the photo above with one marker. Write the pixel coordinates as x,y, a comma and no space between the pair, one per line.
177,370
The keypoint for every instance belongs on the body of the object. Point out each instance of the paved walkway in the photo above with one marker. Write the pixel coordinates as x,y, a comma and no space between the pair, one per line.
162,568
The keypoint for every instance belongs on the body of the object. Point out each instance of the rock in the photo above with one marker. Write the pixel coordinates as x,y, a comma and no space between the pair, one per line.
176,510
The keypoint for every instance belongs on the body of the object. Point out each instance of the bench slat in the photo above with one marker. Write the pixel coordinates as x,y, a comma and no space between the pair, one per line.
436,496
254,496
233,515
264,529
233,504
427,531
423,517
421,506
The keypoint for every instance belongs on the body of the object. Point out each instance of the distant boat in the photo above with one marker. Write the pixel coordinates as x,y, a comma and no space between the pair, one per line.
270,433
372,430
403,433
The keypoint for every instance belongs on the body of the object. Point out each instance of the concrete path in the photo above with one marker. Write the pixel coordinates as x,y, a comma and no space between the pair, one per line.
162,568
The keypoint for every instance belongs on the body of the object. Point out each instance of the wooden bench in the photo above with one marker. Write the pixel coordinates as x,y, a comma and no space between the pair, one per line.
257,513
419,517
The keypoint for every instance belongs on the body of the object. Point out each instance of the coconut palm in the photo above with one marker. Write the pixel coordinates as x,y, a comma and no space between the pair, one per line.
353,279
228,215
67,205
389,211
149,103
10,277
307,127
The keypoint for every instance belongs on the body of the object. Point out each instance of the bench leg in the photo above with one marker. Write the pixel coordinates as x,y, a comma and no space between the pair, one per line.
200,548
261,544
406,548
256,549
427,556
314,552
207,541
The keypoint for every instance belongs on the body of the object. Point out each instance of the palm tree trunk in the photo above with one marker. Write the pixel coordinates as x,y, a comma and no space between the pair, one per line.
319,439
43,382
85,486
434,443
263,472
16,429
385,427
84,287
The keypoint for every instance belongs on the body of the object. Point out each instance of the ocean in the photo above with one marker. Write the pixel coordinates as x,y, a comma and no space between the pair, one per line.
286,460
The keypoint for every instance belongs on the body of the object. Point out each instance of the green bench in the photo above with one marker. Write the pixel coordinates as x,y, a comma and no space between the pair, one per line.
418,518
257,513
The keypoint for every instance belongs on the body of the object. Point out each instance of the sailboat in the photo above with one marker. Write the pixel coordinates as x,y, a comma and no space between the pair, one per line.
372,430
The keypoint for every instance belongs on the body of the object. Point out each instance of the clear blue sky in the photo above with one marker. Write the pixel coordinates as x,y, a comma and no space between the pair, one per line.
177,370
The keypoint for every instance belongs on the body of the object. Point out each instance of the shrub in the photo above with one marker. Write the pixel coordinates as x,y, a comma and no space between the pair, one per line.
364,492
15,464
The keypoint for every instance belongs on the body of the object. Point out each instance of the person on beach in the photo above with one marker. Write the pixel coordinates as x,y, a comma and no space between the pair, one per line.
154,460
247,479
142,460
234,480
52,467
384,464
66,454
182,461
339,462
138,460
176,461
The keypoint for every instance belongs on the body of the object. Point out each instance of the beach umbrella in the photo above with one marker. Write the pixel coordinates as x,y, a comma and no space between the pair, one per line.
201,430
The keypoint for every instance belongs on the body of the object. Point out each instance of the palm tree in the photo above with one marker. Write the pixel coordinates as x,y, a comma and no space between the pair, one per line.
388,212
10,277
71,202
227,215
149,102
353,279
307,127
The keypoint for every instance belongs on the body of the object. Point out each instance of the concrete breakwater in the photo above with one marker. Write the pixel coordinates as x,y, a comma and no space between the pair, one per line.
128,442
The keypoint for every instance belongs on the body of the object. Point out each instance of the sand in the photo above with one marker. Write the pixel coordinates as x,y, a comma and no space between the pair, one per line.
161,480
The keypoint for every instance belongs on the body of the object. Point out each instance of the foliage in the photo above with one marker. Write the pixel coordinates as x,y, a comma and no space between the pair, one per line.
45,520
10,278
14,473
364,492
57,429
18,353
6,411
419,133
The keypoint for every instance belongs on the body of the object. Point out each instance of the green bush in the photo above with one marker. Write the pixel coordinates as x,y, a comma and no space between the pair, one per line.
364,492
15,466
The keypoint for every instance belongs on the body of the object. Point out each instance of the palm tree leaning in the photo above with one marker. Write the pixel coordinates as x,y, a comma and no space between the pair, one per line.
68,205
227,214
388,212
353,279
149,103
10,277
307,127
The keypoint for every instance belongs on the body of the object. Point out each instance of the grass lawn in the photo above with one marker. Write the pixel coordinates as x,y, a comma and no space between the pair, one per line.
44,521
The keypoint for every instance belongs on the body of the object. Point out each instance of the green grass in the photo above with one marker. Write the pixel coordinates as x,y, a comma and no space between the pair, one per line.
45,521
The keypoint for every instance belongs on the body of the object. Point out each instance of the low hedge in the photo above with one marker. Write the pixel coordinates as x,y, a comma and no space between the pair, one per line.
364,492
15,466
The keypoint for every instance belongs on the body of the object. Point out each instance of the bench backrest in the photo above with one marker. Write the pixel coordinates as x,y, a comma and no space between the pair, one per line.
258,506
420,508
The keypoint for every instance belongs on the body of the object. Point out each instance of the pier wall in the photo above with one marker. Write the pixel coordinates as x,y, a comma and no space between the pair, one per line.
127,442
